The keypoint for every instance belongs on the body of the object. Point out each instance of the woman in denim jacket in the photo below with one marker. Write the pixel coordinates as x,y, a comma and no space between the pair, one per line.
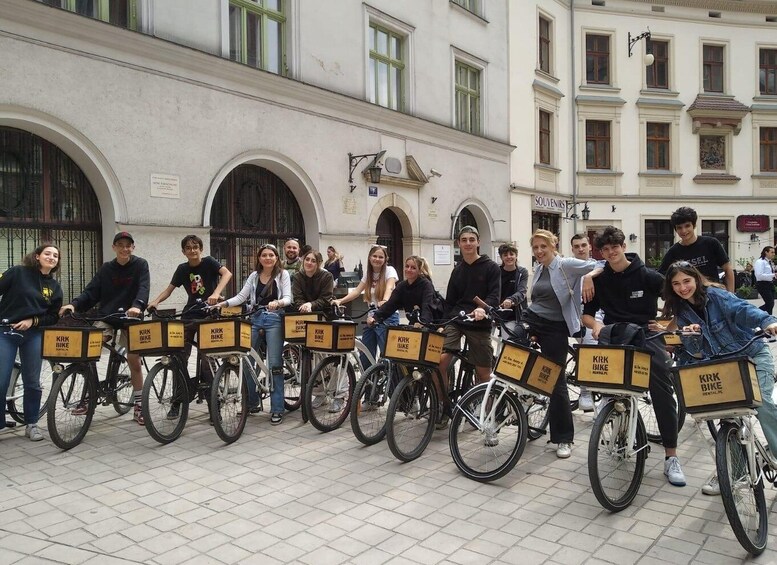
726,322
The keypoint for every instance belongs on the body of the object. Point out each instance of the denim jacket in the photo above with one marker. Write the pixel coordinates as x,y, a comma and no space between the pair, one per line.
727,325
564,275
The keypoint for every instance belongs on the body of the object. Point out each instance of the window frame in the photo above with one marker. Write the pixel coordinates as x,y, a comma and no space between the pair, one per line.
374,28
661,238
104,12
712,223
602,145
660,144
651,71
257,8
545,137
471,6
466,63
770,68
545,41
705,63
598,55
770,144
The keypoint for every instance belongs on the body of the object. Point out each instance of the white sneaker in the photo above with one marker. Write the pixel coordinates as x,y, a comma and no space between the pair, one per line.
674,473
564,450
33,432
711,487
586,401
492,440
319,401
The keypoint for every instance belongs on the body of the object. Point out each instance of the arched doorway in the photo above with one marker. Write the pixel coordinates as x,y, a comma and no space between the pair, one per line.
389,232
252,207
465,218
45,196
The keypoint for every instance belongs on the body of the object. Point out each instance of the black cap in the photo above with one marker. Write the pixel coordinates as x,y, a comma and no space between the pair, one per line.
123,235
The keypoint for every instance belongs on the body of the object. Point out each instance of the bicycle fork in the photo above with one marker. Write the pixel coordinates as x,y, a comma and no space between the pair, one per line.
632,418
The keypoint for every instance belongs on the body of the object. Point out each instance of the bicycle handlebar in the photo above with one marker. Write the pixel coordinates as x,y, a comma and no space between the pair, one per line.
118,316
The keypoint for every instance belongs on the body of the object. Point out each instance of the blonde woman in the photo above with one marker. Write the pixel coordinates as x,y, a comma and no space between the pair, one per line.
378,283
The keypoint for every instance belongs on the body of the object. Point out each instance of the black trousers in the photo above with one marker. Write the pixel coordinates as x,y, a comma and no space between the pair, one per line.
661,388
552,337
766,290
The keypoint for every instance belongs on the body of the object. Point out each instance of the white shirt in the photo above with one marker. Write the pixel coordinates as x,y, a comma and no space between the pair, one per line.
763,270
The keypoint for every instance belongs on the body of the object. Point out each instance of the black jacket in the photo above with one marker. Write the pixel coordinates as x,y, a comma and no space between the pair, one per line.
408,297
629,296
28,293
116,286
482,279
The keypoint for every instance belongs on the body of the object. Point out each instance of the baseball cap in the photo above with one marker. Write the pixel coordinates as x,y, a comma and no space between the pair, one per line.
468,229
123,235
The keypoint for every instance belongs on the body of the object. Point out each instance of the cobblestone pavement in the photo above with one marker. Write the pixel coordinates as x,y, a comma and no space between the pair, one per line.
291,494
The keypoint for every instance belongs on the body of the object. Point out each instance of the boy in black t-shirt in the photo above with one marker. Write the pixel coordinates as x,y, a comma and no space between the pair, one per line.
703,252
203,278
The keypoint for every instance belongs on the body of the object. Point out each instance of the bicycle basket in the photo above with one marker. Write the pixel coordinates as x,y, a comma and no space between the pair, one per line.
337,337
527,368
613,367
413,345
294,326
224,336
155,337
712,386
72,344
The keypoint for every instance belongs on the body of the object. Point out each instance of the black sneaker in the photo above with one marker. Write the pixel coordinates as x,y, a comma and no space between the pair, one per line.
254,409
174,412
276,419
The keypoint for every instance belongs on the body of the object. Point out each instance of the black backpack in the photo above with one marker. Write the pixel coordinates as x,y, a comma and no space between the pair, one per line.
438,307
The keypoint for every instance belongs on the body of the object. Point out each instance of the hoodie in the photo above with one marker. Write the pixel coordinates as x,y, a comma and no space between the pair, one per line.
629,296
117,286
482,278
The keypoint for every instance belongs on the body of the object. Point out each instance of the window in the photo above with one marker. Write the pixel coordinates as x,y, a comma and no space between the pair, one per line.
467,98
712,153
717,229
256,34
122,13
658,146
597,144
544,133
767,77
659,237
386,68
544,45
713,68
768,150
469,5
597,59
657,74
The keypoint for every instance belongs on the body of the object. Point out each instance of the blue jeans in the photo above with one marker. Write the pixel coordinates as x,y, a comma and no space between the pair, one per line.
372,336
29,348
767,413
272,337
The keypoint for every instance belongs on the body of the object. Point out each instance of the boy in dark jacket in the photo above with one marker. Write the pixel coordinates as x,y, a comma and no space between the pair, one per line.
122,283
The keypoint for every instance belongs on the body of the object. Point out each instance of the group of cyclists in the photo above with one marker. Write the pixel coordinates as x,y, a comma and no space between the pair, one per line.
569,297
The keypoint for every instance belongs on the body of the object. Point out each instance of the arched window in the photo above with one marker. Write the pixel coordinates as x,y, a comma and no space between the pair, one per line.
252,207
44,196
465,218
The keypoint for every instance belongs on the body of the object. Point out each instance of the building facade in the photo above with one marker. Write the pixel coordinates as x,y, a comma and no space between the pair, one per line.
619,141
234,120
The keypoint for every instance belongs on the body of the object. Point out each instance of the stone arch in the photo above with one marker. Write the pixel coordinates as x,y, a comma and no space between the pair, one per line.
85,154
407,219
484,220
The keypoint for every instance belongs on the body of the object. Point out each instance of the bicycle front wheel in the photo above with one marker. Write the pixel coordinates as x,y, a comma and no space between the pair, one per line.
15,399
120,385
486,449
648,414
165,403
369,406
412,414
228,403
328,393
292,377
743,499
72,401
616,466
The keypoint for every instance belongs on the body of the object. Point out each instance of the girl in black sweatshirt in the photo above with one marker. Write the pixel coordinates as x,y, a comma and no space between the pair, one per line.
415,292
30,299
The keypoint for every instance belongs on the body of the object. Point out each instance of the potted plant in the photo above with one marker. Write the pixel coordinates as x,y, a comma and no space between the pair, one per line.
747,292
654,262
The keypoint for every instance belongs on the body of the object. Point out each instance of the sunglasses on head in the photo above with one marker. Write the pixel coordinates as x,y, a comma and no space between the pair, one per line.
268,246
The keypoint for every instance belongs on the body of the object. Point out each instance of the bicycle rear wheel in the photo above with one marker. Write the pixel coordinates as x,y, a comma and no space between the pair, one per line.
369,407
572,387
645,404
72,401
228,403
412,414
744,501
486,450
292,377
120,385
15,399
165,403
537,416
328,394
615,468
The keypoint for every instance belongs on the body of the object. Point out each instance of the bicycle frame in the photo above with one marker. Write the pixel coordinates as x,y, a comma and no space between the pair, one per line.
633,400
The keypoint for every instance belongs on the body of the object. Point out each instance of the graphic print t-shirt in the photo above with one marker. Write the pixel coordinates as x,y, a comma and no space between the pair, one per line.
706,254
199,282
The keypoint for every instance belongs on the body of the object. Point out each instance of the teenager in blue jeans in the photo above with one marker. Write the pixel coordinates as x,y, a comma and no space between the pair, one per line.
31,298
726,323
269,285
378,283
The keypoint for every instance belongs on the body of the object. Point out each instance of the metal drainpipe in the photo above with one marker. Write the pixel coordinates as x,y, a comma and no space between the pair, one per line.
573,112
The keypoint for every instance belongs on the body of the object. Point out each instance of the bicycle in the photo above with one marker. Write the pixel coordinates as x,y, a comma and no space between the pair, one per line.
76,389
298,360
14,398
725,387
168,388
330,388
618,446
